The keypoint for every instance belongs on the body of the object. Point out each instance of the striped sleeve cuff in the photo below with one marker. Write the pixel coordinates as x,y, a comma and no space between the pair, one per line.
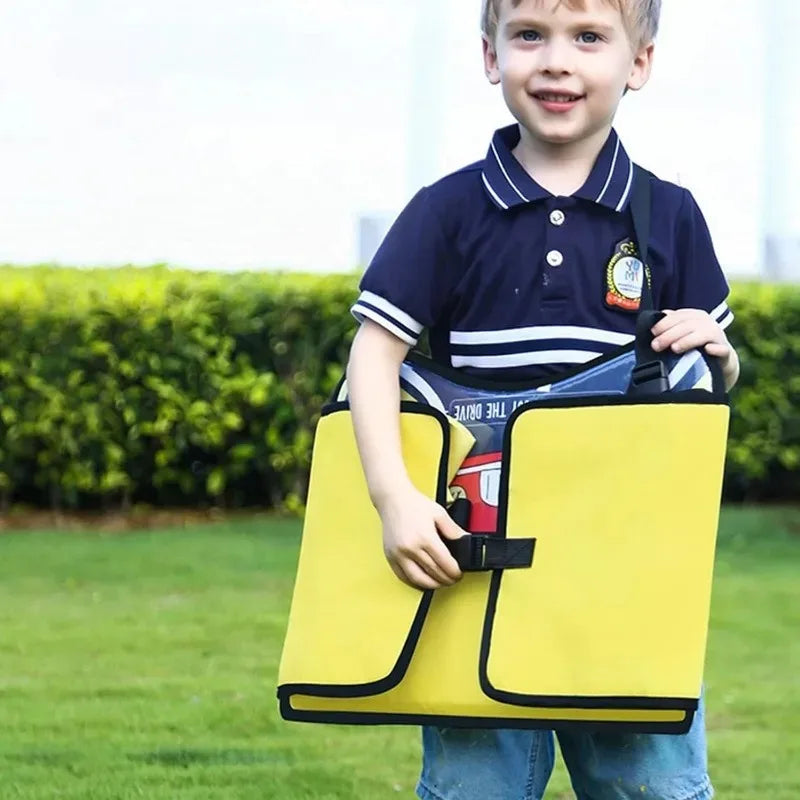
722,315
395,320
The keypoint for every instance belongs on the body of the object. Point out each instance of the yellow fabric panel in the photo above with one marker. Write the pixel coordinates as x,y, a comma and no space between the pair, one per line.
461,441
443,676
624,504
337,632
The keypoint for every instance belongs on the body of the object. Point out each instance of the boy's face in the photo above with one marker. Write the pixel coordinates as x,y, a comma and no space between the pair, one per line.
562,70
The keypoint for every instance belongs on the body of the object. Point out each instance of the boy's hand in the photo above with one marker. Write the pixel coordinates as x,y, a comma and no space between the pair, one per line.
689,328
413,526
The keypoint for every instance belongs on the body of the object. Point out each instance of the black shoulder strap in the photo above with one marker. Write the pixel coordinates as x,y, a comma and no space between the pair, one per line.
650,375
641,211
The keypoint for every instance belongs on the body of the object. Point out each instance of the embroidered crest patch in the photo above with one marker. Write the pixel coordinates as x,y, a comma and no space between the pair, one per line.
625,274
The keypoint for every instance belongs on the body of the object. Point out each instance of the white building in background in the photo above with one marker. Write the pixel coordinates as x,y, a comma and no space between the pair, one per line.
167,131
782,121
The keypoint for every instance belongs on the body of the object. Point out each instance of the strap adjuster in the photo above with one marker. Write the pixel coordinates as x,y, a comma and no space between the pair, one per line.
649,378
483,553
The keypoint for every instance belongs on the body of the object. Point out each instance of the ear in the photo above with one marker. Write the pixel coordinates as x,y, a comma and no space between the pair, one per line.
490,61
641,67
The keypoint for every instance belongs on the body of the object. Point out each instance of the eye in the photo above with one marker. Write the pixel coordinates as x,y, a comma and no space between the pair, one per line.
589,37
529,36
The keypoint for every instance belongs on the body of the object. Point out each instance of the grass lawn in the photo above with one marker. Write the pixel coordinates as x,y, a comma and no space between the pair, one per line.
142,665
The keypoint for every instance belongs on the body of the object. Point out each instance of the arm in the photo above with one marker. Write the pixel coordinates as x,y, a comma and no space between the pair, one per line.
413,524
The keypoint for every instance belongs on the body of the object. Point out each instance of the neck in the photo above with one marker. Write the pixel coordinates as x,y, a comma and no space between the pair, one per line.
560,168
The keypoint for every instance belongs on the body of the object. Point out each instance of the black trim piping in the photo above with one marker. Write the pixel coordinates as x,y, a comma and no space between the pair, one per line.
334,407
334,395
697,397
529,723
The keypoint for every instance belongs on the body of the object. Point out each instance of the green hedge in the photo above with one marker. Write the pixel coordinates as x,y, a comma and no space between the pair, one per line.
184,388
164,387
764,449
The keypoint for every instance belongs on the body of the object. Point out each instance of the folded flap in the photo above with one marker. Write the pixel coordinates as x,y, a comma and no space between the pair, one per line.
340,641
623,501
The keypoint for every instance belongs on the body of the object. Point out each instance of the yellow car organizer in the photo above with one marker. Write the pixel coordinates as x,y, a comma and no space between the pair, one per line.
607,626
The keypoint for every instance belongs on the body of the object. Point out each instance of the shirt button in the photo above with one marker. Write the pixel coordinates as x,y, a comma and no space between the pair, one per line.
555,258
557,217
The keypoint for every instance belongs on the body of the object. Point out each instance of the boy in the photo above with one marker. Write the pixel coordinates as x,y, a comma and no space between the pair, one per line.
509,263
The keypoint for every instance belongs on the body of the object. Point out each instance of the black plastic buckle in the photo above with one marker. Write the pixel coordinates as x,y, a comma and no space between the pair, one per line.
481,552
478,546
649,378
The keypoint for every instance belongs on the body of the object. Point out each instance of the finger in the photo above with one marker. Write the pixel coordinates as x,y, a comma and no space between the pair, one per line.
403,564
428,564
416,576
691,341
667,322
448,527
400,574
718,349
444,561
692,316
675,333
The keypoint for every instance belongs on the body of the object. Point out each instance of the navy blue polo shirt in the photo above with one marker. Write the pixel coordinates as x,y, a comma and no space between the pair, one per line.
515,283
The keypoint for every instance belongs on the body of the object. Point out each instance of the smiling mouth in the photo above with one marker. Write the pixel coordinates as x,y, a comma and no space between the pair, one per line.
552,97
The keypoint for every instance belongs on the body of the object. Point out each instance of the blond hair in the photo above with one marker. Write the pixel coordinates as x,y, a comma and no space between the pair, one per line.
640,16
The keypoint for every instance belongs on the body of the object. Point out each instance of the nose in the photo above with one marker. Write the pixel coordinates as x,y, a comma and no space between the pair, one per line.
556,57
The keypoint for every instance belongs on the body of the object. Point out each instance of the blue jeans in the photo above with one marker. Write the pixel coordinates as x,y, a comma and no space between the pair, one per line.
516,765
